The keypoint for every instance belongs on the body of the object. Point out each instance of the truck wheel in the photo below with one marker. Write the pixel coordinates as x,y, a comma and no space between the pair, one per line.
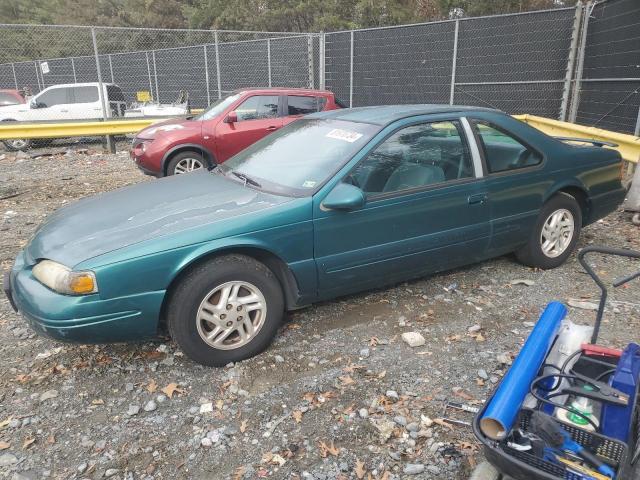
225,310
16,144
185,162
555,233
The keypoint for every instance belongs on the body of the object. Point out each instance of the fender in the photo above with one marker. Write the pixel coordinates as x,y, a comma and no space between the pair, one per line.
567,183
208,155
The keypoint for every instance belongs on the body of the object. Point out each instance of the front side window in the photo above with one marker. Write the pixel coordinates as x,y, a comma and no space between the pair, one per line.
299,105
85,94
55,96
258,107
297,159
413,157
503,152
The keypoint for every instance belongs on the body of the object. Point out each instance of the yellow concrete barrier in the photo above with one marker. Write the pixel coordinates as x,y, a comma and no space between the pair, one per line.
628,145
10,130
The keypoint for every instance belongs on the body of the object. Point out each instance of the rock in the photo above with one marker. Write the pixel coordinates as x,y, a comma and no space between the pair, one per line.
133,410
150,406
279,359
363,412
128,387
426,421
49,394
7,459
482,373
364,353
413,339
413,469
111,472
582,304
206,442
82,467
523,281
392,394
433,469
413,427
385,428
206,407
474,328
400,420
504,358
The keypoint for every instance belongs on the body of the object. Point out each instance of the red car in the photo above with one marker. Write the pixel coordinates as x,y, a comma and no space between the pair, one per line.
10,97
222,130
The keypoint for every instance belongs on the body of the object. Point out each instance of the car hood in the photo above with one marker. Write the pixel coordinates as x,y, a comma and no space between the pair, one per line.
169,126
113,220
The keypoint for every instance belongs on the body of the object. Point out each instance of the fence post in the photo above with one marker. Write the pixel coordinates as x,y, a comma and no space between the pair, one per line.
310,60
218,65
146,54
111,145
575,98
155,75
111,70
636,132
15,78
351,73
269,59
206,74
321,56
454,62
73,68
568,78
37,67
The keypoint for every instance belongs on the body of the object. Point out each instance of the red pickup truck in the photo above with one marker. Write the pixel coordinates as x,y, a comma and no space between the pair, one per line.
222,130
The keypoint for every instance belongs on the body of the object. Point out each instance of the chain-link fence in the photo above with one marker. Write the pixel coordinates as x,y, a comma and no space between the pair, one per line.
578,64
608,83
203,64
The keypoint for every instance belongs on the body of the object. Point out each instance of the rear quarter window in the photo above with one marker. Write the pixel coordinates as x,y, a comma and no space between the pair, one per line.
85,94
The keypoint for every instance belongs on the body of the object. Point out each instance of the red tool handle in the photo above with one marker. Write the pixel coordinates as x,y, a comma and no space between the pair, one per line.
600,351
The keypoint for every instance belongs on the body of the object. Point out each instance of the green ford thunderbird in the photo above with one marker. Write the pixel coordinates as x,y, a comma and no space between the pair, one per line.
335,203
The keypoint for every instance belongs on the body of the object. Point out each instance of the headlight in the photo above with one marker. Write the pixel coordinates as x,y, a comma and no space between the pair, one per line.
61,279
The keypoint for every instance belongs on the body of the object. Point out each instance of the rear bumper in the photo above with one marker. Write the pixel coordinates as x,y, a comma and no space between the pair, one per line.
84,319
602,205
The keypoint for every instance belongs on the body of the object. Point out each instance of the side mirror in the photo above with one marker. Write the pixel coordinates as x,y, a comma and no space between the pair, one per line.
344,197
34,104
232,117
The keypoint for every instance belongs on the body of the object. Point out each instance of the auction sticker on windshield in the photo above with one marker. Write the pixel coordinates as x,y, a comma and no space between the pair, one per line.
346,135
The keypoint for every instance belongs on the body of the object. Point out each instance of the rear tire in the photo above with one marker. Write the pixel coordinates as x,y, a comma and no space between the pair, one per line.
555,233
225,310
185,162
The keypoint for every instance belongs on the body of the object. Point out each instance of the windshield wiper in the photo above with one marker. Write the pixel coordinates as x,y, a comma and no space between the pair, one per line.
246,179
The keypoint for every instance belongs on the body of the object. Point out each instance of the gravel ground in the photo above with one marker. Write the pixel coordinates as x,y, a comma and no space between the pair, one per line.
339,395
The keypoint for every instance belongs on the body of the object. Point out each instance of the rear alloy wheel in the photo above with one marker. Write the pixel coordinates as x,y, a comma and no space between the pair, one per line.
555,234
225,310
185,162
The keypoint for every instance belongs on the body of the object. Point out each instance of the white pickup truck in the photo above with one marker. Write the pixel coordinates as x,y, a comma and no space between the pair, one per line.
74,101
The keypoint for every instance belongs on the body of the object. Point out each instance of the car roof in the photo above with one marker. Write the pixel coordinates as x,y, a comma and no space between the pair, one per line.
284,90
383,115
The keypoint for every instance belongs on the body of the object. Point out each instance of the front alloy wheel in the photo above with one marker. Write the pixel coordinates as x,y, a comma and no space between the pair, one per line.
231,315
225,310
187,165
557,233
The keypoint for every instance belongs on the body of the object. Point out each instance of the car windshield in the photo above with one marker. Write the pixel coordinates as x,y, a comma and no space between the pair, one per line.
217,108
299,158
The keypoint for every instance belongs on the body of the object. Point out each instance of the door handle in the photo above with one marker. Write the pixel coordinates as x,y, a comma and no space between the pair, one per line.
478,198
271,128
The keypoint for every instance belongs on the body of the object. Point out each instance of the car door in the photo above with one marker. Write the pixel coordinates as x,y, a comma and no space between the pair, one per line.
297,106
425,210
85,102
257,116
51,104
515,183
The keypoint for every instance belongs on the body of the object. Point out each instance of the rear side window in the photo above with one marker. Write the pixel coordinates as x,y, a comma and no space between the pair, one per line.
55,96
502,151
258,107
85,94
299,105
114,93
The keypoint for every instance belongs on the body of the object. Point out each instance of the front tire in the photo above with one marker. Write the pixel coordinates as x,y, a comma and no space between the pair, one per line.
555,234
185,162
225,310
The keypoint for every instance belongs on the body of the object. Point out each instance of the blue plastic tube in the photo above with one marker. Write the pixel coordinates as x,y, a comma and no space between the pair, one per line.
501,413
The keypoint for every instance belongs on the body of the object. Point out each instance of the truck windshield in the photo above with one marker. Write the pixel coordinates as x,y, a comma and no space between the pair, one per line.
217,108
301,157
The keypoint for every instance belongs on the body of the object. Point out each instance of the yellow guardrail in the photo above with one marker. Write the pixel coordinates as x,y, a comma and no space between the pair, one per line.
11,130
628,145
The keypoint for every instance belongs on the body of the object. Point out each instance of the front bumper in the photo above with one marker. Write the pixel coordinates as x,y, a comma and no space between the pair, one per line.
86,318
